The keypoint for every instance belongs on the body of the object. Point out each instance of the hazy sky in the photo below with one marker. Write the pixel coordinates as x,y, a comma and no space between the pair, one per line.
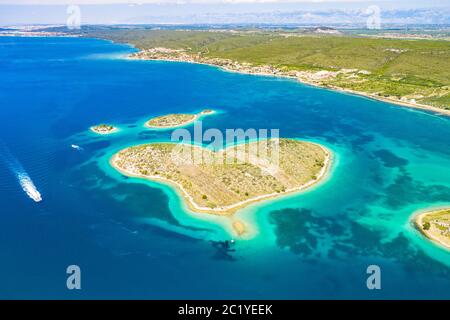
199,11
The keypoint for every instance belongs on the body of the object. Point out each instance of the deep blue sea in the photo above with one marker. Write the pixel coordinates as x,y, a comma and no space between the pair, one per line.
136,239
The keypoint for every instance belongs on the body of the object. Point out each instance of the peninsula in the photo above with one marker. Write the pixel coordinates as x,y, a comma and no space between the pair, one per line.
175,120
229,179
104,129
435,225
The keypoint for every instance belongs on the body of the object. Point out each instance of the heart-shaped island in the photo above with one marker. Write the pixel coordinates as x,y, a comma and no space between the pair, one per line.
221,182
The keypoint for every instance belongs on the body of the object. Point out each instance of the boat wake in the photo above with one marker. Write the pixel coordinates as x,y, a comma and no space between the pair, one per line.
19,172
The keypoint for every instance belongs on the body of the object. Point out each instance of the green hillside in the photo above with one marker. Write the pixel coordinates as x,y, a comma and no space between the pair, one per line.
401,68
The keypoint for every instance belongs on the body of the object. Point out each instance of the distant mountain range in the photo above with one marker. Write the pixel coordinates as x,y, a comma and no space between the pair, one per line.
354,17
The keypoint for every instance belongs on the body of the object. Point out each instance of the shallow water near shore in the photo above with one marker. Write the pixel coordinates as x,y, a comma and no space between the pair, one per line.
136,239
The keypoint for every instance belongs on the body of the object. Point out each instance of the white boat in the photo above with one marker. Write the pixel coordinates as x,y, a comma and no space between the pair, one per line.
29,187
76,147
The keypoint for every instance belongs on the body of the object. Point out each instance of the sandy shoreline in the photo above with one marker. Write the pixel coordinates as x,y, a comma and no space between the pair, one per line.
358,93
231,209
418,222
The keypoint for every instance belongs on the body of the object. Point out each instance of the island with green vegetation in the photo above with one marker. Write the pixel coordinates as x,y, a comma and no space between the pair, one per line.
435,225
227,180
399,69
104,129
176,119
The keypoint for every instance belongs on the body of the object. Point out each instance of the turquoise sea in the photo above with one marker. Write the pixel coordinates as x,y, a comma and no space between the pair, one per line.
135,239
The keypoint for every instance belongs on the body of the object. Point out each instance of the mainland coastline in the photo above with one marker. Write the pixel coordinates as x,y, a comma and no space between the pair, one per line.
306,77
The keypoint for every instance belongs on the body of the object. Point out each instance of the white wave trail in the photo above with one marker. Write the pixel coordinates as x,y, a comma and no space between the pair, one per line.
29,187
22,176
